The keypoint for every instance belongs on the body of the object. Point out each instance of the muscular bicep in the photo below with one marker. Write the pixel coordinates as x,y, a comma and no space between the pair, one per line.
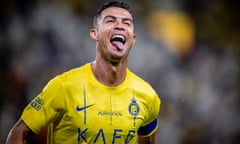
146,140
19,133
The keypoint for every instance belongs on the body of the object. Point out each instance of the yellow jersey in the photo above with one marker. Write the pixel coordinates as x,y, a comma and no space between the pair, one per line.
80,110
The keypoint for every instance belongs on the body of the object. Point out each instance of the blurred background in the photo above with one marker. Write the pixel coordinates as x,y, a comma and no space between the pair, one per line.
188,50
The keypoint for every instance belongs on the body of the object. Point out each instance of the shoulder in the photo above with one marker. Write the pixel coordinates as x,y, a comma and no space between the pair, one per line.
69,77
138,83
74,73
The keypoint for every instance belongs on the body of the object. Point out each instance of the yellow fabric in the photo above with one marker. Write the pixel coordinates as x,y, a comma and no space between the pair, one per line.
79,110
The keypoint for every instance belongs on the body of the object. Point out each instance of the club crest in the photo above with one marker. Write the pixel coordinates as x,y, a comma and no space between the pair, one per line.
133,107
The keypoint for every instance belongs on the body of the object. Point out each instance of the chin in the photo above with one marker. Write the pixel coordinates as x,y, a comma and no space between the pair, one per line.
115,58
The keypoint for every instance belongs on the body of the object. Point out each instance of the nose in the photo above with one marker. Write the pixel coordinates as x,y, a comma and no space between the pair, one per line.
119,25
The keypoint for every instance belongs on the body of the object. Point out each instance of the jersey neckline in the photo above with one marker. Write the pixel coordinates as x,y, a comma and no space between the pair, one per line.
98,84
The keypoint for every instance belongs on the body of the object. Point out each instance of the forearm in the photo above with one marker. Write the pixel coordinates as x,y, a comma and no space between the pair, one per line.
18,133
15,138
147,140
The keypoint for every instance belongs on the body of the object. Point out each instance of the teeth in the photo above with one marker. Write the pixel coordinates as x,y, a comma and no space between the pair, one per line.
119,36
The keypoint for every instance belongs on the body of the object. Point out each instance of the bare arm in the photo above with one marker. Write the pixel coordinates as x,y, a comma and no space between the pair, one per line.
146,140
19,133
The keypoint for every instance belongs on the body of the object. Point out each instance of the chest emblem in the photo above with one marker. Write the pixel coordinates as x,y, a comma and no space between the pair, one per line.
133,107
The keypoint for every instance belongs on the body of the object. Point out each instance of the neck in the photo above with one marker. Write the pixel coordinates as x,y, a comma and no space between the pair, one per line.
109,74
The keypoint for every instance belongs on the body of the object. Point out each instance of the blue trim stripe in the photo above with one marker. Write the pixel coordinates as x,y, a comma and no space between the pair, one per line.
85,112
134,120
145,130
110,109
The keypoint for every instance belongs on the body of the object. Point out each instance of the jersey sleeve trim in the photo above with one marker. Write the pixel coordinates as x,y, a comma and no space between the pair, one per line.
148,129
29,124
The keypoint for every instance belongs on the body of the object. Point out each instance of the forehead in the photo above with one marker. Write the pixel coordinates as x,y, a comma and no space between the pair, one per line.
117,12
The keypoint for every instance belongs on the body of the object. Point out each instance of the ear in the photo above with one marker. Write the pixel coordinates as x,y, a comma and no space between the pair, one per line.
93,34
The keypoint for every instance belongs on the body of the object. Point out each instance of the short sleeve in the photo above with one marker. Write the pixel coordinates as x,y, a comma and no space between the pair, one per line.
45,108
151,125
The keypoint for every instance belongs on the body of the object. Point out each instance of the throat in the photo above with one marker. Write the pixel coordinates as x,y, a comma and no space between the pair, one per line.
110,76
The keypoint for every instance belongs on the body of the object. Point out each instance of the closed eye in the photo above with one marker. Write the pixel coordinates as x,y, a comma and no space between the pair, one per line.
128,22
109,19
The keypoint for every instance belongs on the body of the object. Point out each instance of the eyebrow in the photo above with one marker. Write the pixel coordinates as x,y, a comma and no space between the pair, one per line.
114,17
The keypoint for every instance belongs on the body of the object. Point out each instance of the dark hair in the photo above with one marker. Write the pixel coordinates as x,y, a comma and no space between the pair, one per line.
106,5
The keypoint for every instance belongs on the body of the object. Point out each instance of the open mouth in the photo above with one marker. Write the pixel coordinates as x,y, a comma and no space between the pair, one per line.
118,41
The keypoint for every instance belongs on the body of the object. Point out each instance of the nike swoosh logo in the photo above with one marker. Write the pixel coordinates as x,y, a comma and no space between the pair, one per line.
83,108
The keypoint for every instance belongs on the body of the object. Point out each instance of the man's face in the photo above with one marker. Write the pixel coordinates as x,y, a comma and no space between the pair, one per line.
114,34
